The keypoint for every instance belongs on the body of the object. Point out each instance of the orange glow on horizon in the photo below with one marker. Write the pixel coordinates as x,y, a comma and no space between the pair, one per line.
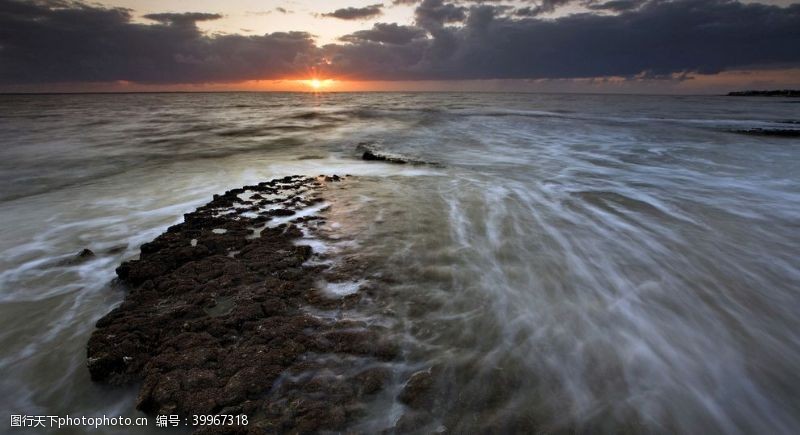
317,85
311,82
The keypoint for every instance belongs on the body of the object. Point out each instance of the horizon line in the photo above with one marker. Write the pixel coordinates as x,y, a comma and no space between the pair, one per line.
19,93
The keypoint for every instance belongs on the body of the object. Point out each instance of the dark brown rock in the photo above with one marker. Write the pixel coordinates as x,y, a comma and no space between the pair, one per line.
370,152
372,380
371,155
78,258
280,212
413,422
776,132
208,332
418,392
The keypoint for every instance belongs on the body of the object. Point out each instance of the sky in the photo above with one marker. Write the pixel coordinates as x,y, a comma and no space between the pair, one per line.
614,46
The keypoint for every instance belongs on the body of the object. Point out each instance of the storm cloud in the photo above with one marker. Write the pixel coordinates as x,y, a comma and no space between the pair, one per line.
58,41
432,14
356,13
184,19
386,33
616,5
657,38
46,42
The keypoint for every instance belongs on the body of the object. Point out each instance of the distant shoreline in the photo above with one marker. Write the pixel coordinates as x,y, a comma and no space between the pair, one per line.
790,93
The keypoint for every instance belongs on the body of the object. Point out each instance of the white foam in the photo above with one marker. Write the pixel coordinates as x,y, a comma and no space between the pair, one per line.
308,211
335,165
317,245
342,288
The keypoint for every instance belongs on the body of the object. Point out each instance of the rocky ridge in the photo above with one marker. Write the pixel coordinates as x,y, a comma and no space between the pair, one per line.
218,319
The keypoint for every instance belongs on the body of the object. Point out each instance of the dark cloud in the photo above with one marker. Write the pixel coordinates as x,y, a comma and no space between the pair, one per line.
387,34
46,42
616,5
184,19
657,39
433,14
356,13
535,8
547,6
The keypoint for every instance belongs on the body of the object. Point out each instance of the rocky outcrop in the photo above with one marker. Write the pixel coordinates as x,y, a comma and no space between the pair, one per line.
86,254
791,93
216,319
371,152
775,132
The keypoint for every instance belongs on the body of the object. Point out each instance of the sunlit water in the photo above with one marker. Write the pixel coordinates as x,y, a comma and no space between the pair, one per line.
589,263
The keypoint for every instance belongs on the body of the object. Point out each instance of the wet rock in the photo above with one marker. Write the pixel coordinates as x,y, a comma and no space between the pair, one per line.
413,422
418,392
375,156
372,380
204,331
788,93
280,212
776,132
78,258
370,152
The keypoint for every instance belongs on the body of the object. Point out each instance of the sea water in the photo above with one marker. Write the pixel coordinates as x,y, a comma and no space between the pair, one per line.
573,262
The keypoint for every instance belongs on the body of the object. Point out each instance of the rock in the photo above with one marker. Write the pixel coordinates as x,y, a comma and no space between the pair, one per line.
413,422
418,392
204,331
280,212
372,380
789,93
371,153
777,132
78,258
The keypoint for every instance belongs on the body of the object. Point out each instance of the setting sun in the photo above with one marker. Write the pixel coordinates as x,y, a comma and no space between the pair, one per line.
318,84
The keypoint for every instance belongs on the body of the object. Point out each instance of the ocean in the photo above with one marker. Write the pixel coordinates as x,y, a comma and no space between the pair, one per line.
589,263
